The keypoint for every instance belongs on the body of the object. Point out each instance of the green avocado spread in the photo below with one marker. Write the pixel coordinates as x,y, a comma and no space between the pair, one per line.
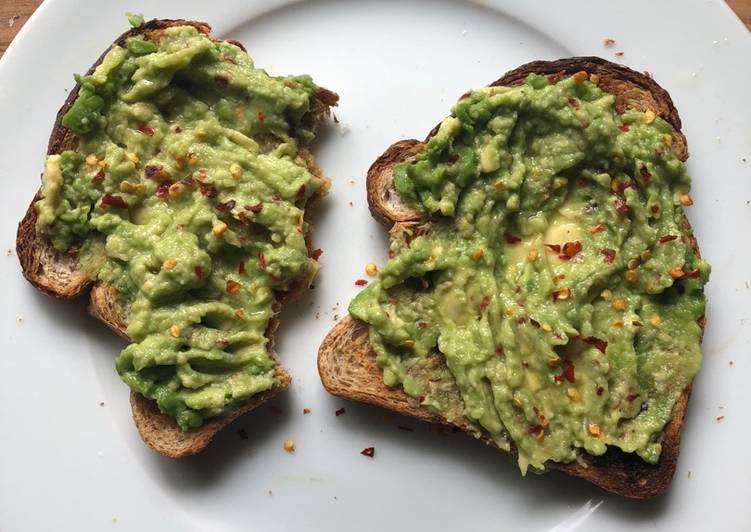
551,294
187,194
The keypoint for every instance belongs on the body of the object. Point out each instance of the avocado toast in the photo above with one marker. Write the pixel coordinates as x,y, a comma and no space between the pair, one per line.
545,291
175,192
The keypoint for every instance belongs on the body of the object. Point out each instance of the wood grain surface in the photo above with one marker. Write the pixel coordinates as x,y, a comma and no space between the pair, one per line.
15,13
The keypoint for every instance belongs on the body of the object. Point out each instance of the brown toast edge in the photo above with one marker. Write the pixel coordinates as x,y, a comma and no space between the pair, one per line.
60,275
346,361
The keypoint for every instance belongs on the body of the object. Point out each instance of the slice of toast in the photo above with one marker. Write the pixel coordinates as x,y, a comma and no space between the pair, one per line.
62,276
346,361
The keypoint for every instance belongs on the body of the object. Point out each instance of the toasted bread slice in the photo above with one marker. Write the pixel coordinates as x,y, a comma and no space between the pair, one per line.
346,361
62,276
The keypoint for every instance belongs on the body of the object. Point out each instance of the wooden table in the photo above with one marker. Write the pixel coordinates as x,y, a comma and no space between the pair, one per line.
14,13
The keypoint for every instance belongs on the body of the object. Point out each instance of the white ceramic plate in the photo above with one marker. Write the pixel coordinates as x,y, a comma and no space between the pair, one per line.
67,463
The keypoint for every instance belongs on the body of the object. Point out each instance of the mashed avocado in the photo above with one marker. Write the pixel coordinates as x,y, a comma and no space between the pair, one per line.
188,179
552,297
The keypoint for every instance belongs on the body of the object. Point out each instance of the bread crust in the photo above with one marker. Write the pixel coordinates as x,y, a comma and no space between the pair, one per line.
346,361
61,275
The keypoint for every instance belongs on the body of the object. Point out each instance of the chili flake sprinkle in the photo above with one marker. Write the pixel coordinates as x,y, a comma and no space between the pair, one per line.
620,206
667,238
227,206
255,209
114,201
261,260
570,249
368,451
511,238
208,190
600,344
232,286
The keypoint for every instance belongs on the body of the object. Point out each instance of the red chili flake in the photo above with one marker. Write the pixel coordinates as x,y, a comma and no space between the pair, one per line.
261,261
597,228
599,390
451,160
301,192
568,372
667,238
226,206
655,209
623,128
536,429
242,434
608,255
306,410
555,78
316,254
570,249
484,303
208,190
153,171
558,378
620,206
255,209
636,323
198,271
187,180
573,103
232,286
261,116
221,82
693,274
146,130
361,282
555,248
645,173
162,191
114,201
98,178
340,412
368,451
511,238
601,345
630,397
241,267
406,429
620,186
178,129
